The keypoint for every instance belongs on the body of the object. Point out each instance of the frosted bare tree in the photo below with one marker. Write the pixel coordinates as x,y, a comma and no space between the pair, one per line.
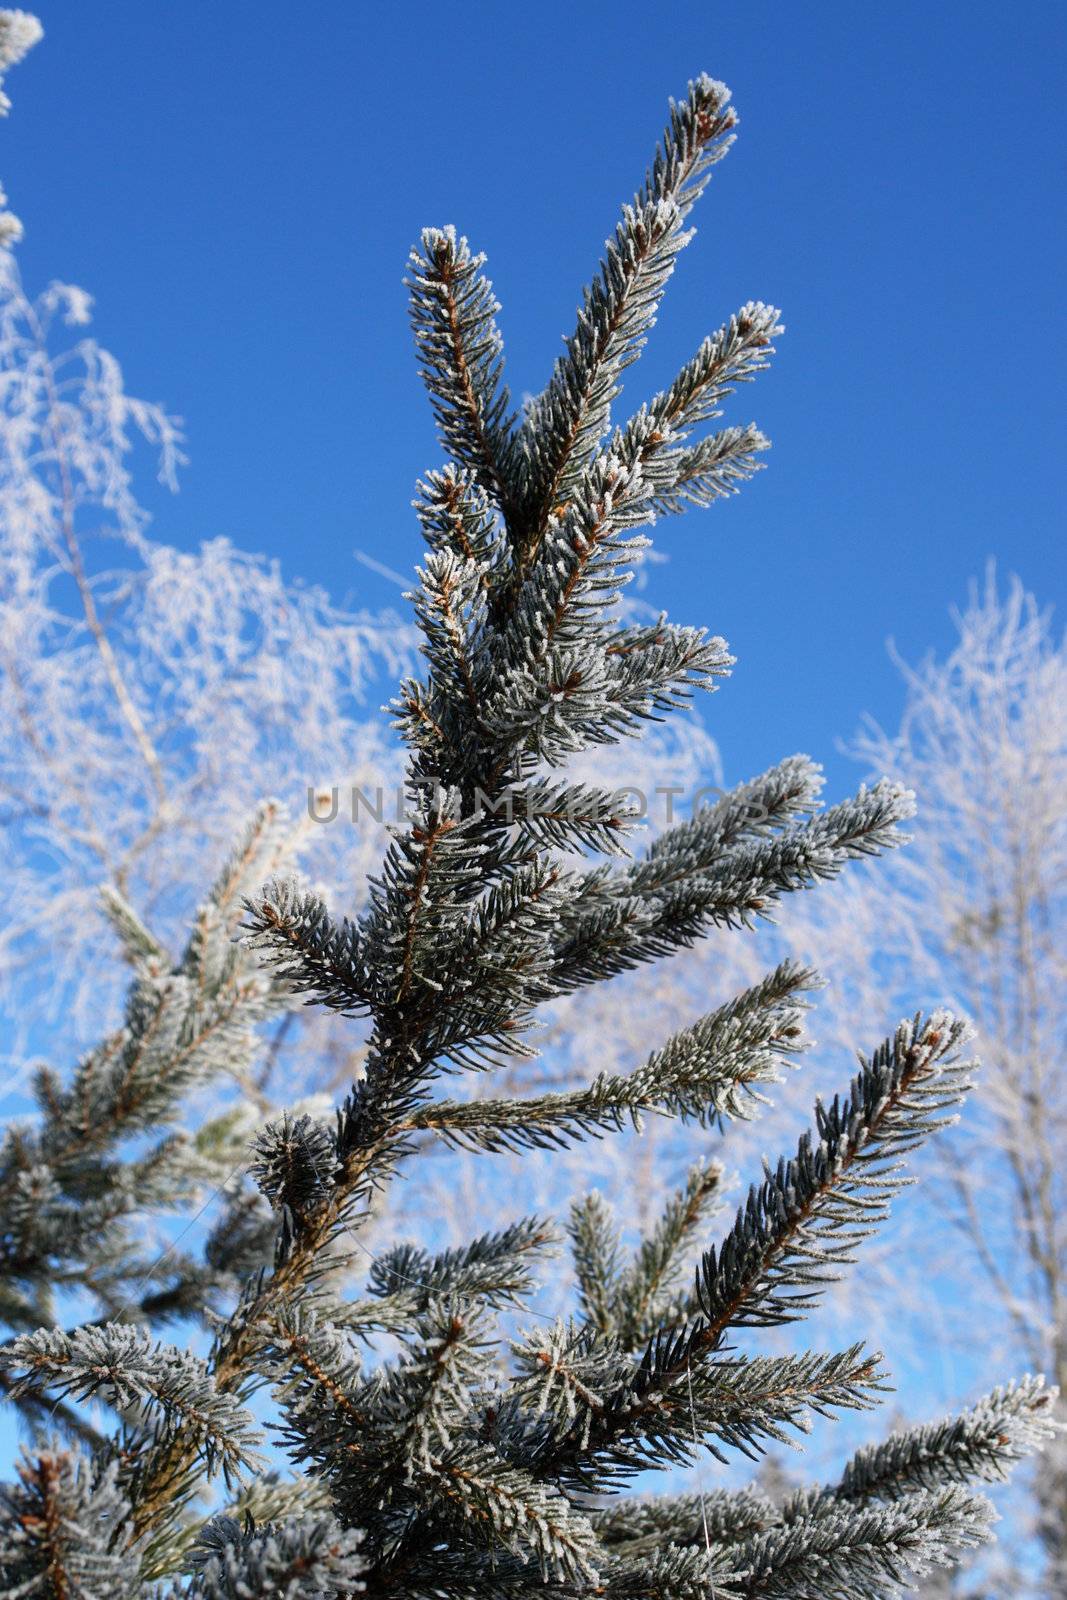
149,696
976,909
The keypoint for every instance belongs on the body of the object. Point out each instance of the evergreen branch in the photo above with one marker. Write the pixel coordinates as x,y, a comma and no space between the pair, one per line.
62,1531
156,1382
551,665
981,1444
480,970
494,1268
706,1072
743,1402
428,875
419,720
735,354
564,425
139,943
805,1219
272,1498
569,816
67,1197
301,1558
631,1527
644,1296
581,566
456,517
752,810
861,1556
373,1436
573,696
452,312
295,1166
120,1086
216,1033
670,1574
267,841
641,685
596,1247
307,950
181,1028
689,883
165,1475
503,1504
712,469
800,1224
714,839
502,938
450,606
316,1368
609,1419
862,1551
422,1404
710,1070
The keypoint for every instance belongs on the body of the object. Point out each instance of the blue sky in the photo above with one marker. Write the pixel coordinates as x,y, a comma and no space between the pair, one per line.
238,186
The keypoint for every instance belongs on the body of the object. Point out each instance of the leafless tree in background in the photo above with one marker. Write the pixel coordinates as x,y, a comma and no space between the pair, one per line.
976,910
149,696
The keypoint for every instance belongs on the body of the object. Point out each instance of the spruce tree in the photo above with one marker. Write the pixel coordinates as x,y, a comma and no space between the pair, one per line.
498,1453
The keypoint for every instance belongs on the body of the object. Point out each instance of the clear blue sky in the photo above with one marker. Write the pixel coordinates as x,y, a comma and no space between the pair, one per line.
238,186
